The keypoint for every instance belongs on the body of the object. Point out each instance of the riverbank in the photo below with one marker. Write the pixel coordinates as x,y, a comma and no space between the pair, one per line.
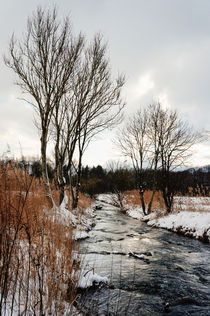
190,217
39,255
149,270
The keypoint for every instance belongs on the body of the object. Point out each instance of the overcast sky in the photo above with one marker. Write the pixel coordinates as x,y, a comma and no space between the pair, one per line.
162,46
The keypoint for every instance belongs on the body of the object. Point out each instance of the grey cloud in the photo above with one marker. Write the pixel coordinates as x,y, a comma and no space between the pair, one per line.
170,40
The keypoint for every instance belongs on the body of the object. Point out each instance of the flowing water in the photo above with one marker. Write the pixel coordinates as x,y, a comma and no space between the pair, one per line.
173,278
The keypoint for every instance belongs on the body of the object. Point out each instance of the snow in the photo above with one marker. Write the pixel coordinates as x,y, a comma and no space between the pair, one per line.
195,224
106,200
141,256
191,216
68,309
135,212
90,278
193,203
81,222
80,235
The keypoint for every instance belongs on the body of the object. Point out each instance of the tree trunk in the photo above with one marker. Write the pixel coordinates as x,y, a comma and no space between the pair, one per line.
154,186
168,199
75,202
44,169
150,202
61,181
62,193
141,193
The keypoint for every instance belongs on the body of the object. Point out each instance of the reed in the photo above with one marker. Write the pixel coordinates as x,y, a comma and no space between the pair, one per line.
37,253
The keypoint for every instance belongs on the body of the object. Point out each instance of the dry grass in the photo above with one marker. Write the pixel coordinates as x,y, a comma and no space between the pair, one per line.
84,201
133,197
186,203
192,204
36,254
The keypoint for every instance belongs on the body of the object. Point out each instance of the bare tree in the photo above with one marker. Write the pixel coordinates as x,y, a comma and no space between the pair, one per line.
133,142
176,139
44,61
64,126
98,97
156,138
94,103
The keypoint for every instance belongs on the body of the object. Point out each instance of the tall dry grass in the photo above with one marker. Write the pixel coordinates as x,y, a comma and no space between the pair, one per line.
133,198
37,262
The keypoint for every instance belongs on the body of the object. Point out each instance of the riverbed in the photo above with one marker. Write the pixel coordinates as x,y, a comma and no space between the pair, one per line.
151,271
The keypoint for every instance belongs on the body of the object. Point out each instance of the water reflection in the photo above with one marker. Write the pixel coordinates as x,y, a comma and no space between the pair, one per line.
173,279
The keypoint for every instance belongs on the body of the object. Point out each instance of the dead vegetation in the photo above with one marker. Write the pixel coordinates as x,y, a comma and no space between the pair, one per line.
181,203
192,204
37,257
132,197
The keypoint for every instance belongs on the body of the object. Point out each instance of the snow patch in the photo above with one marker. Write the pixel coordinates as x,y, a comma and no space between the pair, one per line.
195,224
81,222
77,235
90,278
135,212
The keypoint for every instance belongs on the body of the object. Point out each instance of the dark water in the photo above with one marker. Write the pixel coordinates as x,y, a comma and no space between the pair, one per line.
174,278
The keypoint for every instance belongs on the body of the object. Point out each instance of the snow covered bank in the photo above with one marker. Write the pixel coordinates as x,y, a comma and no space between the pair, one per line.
193,224
191,217
184,203
107,200
81,221
135,212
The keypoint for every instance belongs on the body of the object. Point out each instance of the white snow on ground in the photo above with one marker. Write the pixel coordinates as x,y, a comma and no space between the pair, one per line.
80,235
90,278
192,203
80,222
135,212
195,222
68,310
106,200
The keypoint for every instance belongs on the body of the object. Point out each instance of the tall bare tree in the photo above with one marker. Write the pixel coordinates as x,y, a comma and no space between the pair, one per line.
176,139
43,61
133,142
156,138
94,103
65,135
98,98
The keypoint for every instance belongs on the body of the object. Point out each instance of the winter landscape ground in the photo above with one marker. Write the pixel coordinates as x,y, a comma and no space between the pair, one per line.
191,216
41,264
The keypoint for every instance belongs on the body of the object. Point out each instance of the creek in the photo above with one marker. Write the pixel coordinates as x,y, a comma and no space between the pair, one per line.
172,278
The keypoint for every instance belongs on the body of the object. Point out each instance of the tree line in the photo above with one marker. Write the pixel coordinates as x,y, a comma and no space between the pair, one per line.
119,178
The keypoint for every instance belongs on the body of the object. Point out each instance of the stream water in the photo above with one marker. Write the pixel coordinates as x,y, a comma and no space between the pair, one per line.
172,279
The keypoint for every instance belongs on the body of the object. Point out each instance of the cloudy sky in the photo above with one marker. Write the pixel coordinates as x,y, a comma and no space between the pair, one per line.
162,46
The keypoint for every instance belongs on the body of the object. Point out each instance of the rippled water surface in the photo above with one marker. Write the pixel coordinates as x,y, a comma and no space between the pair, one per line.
172,279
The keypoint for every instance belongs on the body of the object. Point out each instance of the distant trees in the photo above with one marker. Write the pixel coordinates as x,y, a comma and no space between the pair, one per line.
156,139
97,180
70,86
